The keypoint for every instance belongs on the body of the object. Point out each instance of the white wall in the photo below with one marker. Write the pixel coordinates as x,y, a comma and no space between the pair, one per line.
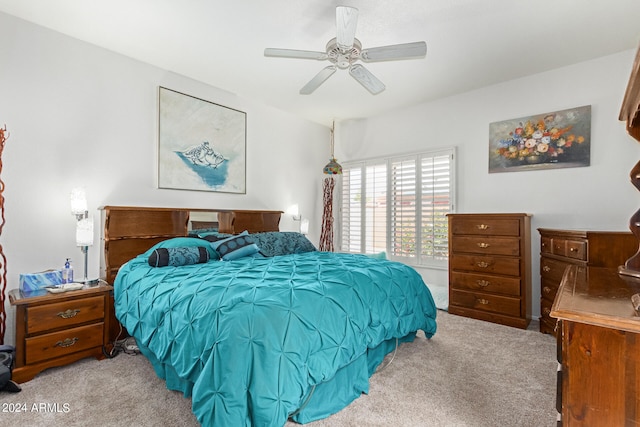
598,197
81,115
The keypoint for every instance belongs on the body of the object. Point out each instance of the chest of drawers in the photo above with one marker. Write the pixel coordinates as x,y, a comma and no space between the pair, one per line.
57,329
562,248
490,267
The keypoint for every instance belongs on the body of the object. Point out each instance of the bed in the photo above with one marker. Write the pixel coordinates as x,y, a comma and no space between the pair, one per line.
257,338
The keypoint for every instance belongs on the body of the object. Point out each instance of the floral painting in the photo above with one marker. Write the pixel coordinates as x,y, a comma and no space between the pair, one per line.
201,144
561,139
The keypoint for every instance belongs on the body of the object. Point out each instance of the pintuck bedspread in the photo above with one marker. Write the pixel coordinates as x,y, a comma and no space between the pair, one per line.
255,339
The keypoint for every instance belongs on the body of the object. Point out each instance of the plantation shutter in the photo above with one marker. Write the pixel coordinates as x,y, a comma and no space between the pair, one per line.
436,204
403,208
351,209
376,208
399,205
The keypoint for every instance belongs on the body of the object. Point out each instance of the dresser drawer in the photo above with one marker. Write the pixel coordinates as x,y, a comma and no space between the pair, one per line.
487,226
56,344
486,245
486,302
548,290
64,314
575,249
486,264
552,269
486,283
546,245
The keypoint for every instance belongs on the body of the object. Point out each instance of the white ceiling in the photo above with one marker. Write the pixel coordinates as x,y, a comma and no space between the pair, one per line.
470,43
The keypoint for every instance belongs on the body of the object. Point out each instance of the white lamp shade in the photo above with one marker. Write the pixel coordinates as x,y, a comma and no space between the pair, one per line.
84,232
78,201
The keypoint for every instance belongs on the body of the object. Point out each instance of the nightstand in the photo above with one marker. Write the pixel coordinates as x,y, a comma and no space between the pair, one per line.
57,329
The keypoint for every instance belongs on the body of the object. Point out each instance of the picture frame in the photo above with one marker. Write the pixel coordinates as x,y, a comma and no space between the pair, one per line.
201,144
560,139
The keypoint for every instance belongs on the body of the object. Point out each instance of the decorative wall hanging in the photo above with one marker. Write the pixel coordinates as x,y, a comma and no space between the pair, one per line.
201,145
4,135
561,139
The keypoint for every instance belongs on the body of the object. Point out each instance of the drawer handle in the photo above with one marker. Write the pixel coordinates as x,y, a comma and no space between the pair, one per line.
546,311
483,301
483,283
483,245
482,264
573,250
546,290
67,342
482,226
68,314
546,269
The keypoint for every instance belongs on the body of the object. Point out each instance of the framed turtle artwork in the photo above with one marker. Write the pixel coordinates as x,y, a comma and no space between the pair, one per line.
561,139
201,145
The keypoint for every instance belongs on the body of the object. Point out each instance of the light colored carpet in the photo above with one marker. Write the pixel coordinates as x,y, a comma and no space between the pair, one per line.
471,373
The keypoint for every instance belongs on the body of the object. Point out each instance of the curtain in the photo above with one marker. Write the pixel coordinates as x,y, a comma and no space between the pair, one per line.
326,234
3,259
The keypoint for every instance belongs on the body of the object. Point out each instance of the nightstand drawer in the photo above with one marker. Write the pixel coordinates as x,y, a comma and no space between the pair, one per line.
64,314
486,245
49,346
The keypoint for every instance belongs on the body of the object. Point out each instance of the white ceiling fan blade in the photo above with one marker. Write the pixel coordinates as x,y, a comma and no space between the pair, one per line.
319,78
366,79
394,52
293,53
346,22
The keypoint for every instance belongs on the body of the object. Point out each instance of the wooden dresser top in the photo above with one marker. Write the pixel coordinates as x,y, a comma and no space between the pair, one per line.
597,296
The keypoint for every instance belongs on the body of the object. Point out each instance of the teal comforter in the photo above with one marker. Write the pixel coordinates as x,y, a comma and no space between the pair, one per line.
253,340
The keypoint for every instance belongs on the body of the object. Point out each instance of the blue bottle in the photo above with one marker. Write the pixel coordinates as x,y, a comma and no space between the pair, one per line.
67,272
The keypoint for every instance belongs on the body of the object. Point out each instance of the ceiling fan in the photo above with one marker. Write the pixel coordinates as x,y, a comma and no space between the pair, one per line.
345,50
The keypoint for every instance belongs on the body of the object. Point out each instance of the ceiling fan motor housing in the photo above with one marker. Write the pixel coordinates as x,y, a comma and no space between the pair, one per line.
343,58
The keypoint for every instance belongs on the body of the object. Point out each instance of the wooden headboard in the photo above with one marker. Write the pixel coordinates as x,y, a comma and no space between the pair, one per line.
128,231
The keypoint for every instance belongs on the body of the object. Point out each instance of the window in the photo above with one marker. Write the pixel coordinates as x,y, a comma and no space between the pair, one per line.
398,205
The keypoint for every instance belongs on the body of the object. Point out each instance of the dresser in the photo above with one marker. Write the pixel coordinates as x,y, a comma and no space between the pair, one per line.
57,329
599,358
490,267
561,248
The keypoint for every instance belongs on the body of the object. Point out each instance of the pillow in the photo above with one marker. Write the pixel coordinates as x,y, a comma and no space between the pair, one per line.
273,243
235,247
163,257
183,242
214,237
379,255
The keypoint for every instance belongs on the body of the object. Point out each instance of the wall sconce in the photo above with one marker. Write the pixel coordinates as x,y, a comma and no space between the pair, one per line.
294,211
84,229
304,226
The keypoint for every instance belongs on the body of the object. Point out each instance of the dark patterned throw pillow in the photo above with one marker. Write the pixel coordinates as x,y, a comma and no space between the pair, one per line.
163,257
236,247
